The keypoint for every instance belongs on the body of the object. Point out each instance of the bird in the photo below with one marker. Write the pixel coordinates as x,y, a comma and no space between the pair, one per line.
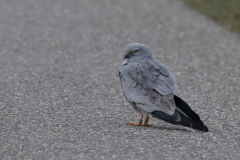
151,89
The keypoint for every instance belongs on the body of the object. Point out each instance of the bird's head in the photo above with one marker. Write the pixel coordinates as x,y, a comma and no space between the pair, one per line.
136,51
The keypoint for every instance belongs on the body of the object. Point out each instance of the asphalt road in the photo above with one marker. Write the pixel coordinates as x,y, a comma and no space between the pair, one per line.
60,95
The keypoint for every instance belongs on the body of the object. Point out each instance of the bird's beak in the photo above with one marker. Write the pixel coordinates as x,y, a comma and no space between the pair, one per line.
126,56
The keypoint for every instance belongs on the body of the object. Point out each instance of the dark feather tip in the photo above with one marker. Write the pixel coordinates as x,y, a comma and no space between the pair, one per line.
205,129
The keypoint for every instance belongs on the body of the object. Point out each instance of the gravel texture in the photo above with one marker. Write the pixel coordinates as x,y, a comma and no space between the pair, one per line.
60,95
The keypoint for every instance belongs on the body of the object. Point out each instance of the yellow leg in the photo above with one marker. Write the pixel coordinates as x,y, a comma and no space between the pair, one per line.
146,122
140,122
137,124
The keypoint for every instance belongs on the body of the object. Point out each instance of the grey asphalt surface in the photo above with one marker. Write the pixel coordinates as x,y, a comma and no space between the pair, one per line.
60,95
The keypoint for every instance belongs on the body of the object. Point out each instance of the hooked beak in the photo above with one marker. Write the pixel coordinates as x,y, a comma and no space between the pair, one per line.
126,56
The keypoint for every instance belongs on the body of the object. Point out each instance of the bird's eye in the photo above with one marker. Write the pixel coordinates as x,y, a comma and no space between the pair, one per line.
136,51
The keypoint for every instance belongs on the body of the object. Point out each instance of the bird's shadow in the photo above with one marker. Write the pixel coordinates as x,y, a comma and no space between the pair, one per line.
171,128
164,128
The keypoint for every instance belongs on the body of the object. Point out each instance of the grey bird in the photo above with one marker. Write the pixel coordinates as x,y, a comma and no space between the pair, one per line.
150,87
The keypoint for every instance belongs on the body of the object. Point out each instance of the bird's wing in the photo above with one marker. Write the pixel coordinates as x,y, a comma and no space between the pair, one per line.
149,85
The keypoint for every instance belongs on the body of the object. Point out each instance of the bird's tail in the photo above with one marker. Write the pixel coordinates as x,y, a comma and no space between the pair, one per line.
183,115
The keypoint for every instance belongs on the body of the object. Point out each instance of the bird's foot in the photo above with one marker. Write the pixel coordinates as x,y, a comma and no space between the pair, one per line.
140,124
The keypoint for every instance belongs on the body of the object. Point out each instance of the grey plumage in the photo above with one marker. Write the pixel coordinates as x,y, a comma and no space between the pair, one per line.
149,86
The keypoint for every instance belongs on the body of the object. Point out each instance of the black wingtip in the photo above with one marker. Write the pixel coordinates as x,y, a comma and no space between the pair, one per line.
186,109
205,129
184,121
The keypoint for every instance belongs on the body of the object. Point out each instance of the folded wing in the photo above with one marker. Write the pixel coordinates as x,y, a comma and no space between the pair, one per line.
149,85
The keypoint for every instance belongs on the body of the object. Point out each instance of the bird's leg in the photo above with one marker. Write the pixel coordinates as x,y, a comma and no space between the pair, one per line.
137,124
140,122
146,122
